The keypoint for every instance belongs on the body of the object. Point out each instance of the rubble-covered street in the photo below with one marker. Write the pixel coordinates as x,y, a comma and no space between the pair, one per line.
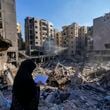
76,86
73,86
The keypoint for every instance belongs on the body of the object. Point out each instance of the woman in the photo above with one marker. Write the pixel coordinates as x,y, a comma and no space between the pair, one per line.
25,92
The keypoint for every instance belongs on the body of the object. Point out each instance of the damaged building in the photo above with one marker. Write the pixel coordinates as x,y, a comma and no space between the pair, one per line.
8,30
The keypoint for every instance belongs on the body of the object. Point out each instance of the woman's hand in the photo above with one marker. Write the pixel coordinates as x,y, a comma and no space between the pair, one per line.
39,83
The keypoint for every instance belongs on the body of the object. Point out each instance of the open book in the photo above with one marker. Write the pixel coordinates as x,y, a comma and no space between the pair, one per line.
40,77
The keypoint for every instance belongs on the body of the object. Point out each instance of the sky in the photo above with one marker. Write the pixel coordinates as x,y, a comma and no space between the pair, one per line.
62,12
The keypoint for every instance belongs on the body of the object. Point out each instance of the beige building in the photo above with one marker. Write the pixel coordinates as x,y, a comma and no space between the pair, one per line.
74,38
81,42
83,31
101,33
18,28
59,39
36,32
20,39
70,34
8,29
90,39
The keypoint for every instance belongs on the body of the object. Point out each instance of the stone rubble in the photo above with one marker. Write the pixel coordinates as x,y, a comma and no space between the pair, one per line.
75,87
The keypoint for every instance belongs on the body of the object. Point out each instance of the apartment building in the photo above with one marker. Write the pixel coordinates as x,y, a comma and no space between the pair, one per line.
70,34
101,37
59,39
83,31
81,43
90,38
20,39
36,32
101,33
8,29
74,38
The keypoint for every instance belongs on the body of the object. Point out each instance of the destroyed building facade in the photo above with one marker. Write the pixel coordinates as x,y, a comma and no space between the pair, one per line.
58,39
74,38
101,32
70,33
101,39
8,29
36,32
20,39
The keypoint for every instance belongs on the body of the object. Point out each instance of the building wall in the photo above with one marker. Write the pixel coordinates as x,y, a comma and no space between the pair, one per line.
20,39
51,30
18,28
90,39
40,30
44,30
59,39
70,34
9,31
101,33
74,38
83,31
37,32
81,43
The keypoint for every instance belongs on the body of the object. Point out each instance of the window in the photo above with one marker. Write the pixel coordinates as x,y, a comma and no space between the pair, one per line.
108,17
36,42
31,42
31,37
0,14
1,25
36,27
31,32
72,51
31,20
36,37
31,26
0,5
43,28
71,42
35,21
1,54
107,46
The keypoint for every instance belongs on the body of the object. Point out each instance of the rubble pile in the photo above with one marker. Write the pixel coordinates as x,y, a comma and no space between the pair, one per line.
88,90
97,73
75,99
75,86
59,75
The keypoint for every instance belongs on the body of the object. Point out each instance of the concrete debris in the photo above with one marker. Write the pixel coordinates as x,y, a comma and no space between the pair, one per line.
88,88
75,86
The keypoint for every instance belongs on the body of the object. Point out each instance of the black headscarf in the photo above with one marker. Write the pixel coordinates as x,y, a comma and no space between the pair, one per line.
24,88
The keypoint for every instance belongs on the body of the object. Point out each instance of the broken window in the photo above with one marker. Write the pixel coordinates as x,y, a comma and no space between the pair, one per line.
0,15
36,37
107,46
0,5
1,26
